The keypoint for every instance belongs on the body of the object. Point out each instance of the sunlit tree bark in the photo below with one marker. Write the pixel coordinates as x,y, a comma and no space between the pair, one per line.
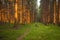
16,15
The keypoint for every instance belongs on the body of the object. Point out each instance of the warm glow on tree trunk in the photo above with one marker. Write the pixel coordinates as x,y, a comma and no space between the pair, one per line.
16,11
54,11
28,17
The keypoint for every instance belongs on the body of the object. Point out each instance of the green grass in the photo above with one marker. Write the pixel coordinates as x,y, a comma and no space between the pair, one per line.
9,33
42,32
39,32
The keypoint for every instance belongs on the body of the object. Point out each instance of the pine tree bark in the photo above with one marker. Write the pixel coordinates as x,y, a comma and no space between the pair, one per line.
51,11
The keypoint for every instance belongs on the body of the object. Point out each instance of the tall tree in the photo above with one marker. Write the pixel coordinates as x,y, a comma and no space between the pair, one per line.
45,11
59,11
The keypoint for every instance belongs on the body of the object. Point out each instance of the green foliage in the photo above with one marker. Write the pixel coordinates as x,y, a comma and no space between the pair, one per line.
38,31
9,33
43,32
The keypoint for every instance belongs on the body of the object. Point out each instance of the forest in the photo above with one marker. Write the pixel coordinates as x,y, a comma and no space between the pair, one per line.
29,19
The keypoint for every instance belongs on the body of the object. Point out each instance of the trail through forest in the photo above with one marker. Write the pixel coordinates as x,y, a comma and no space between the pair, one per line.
23,35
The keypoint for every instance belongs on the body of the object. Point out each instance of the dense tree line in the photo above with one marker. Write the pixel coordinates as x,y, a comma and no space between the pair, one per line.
25,11
50,11
18,11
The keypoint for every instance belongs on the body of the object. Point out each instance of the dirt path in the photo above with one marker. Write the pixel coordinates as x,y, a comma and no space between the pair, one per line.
23,35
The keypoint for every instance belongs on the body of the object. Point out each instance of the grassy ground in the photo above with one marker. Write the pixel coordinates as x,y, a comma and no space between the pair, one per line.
37,31
9,33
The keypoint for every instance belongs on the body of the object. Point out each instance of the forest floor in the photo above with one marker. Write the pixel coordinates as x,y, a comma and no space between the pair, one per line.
34,31
23,35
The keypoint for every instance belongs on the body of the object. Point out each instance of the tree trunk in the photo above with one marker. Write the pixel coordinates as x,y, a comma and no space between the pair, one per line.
51,11
59,11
